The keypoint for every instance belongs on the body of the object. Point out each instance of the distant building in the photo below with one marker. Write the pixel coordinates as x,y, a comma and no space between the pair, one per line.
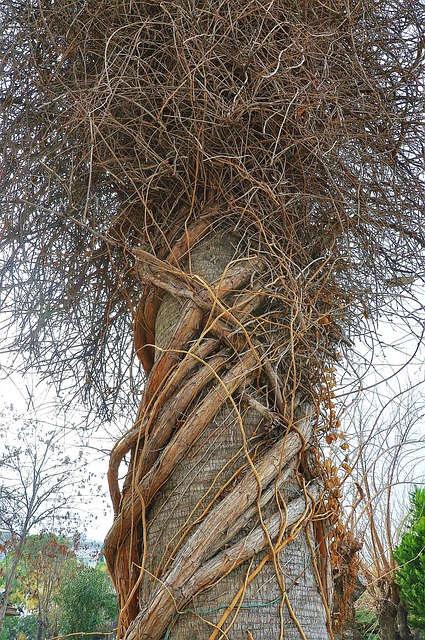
89,552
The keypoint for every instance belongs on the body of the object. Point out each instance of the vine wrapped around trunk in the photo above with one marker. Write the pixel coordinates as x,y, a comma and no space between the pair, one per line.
207,362
244,182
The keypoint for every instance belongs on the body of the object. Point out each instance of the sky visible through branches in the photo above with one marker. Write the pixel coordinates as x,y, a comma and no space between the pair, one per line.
381,377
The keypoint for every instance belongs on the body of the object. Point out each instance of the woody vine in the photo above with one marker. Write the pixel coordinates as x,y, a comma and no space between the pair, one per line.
243,183
216,355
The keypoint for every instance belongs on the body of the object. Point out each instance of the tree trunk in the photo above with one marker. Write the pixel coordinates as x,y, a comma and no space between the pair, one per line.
41,627
387,621
224,545
392,617
402,622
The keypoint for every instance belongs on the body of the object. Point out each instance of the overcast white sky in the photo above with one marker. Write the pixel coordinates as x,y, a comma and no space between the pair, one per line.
34,400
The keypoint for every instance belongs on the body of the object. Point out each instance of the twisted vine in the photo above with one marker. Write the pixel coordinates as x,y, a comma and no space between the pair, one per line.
213,357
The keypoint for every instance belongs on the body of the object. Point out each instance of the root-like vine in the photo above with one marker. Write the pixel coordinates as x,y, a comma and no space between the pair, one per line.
213,358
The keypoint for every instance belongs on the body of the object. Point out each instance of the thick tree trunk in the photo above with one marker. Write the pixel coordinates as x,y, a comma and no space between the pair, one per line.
261,610
387,621
226,548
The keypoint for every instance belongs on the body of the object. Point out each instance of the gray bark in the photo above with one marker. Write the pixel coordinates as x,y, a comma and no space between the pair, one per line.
264,612
402,622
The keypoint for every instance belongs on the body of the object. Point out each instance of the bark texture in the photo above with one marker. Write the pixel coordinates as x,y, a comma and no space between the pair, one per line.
218,542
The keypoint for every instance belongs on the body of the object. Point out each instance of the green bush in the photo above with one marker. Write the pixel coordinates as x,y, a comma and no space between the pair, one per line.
410,557
23,627
87,602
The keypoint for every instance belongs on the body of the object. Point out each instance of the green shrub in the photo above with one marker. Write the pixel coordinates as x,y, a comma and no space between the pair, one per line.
410,557
87,602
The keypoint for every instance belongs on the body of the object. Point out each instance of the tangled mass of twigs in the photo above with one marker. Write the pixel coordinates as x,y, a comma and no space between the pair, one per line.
244,180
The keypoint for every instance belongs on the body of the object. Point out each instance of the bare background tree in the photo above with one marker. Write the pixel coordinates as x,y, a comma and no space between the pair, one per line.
40,485
237,188
385,461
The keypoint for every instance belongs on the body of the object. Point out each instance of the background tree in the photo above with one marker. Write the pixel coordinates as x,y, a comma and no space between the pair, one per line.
243,183
37,487
87,602
44,563
386,438
58,593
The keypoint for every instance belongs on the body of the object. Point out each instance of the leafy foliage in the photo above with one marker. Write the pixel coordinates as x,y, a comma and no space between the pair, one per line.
24,627
410,556
43,563
58,594
87,601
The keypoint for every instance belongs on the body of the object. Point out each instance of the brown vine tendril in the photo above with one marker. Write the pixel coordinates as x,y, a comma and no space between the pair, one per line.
211,370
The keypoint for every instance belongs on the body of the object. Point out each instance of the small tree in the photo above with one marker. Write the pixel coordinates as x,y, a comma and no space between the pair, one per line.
410,556
45,561
87,601
36,476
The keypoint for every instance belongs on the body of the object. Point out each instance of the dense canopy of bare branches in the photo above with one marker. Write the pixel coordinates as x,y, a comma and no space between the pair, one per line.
300,122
